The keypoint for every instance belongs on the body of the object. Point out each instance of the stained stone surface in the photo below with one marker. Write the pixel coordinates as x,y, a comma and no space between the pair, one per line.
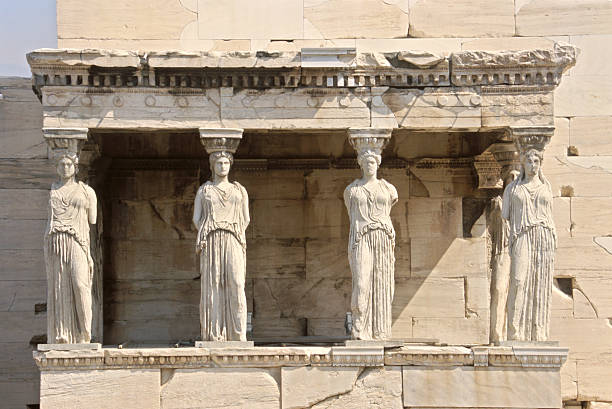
103,389
306,386
220,388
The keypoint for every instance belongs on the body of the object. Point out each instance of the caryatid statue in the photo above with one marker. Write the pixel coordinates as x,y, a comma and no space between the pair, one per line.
221,216
68,261
372,238
527,205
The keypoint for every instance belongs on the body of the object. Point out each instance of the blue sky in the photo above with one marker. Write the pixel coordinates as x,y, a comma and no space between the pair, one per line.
25,25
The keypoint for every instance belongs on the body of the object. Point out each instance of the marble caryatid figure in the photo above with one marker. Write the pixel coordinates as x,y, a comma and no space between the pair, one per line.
527,205
221,216
69,265
371,241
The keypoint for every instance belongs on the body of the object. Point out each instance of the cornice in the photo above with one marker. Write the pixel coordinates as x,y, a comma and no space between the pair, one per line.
333,68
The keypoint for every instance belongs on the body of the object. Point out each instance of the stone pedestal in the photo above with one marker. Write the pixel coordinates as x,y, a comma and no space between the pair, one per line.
224,344
302,377
92,346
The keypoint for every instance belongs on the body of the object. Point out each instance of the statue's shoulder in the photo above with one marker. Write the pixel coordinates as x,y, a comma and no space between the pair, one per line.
88,190
355,183
203,188
240,188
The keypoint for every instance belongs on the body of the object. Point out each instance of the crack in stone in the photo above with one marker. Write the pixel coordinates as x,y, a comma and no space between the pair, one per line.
336,396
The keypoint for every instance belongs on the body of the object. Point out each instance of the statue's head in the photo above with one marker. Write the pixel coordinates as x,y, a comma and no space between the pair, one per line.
67,165
531,162
220,163
369,162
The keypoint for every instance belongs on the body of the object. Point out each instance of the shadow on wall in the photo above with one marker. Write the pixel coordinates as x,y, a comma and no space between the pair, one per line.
298,277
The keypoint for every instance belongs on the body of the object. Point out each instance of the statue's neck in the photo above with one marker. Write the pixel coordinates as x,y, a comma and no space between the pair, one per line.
66,181
219,180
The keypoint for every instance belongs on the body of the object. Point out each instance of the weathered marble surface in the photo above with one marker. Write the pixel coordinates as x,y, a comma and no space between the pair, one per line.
301,377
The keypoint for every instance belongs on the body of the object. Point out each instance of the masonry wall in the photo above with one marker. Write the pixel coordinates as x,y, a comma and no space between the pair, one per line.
25,177
578,161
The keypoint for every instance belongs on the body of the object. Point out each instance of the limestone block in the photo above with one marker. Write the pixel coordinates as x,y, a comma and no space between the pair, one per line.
140,299
590,135
152,219
461,19
412,145
594,379
276,327
599,405
566,17
20,120
26,174
273,184
509,43
223,387
442,46
586,338
593,52
22,295
305,386
347,19
22,234
17,388
473,330
593,288
583,95
590,216
329,184
525,109
298,298
241,19
326,219
305,144
276,258
428,218
562,304
432,297
152,331
428,108
152,259
580,256
326,327
23,264
136,388
328,258
448,257
302,108
481,387
569,380
153,184
280,219
587,176
375,387
122,20
23,203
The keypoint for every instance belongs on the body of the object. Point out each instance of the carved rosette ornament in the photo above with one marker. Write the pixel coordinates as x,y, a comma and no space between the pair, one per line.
221,215
371,245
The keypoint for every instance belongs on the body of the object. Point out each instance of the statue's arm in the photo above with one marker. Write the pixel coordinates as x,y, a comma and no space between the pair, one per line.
197,209
92,209
347,199
245,207
393,192
507,202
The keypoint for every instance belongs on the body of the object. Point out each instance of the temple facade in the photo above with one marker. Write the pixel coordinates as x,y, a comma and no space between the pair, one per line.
457,101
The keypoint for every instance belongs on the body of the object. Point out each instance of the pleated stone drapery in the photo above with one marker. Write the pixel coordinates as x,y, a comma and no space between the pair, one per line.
532,247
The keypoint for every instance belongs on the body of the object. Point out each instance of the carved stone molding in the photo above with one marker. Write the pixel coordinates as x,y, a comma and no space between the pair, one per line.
312,67
369,139
488,171
65,140
220,139
531,137
258,357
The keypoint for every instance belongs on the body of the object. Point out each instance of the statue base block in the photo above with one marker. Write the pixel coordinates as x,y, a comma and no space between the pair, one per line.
70,347
529,343
389,343
224,344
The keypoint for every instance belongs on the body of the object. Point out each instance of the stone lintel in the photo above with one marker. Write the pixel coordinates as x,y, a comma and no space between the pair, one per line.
65,140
